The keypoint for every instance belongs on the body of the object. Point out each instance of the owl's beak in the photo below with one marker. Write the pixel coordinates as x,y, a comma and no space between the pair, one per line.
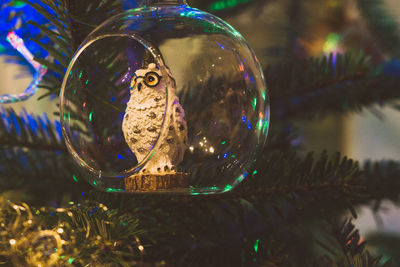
139,86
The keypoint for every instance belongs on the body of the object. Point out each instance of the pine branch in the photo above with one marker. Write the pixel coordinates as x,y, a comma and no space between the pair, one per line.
287,192
309,75
94,233
352,249
316,86
83,235
59,34
388,244
382,24
326,181
225,228
29,131
322,86
33,154
70,22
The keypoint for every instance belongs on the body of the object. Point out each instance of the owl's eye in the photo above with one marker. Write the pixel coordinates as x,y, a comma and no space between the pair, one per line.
152,79
133,83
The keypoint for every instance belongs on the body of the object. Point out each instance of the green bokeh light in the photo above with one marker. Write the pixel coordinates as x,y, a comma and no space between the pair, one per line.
223,4
114,190
254,103
256,245
332,42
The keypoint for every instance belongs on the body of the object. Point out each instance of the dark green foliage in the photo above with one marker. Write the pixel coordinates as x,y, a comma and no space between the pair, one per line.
382,24
71,22
316,86
29,131
31,148
282,205
285,196
386,244
330,84
347,249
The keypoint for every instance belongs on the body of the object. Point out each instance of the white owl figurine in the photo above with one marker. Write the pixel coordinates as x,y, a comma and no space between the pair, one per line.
143,120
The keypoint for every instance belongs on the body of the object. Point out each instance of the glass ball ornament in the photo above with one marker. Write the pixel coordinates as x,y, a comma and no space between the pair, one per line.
164,98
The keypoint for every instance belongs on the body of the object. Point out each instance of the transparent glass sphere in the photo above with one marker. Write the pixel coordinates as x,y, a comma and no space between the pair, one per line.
164,98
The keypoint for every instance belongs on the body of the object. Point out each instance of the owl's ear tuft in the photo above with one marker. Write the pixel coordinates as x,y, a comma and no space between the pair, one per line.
152,66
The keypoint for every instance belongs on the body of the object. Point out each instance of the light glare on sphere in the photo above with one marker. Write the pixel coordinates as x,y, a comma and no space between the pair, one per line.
164,99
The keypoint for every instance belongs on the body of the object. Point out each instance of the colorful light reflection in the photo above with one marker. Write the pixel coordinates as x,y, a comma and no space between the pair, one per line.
18,44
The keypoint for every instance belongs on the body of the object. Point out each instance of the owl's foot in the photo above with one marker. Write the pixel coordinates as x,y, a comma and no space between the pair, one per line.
166,168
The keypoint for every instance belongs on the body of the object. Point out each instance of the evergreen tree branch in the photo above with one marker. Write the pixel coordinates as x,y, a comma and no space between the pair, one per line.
304,189
316,86
326,85
196,227
285,186
381,23
309,75
29,131
350,249
70,22
32,150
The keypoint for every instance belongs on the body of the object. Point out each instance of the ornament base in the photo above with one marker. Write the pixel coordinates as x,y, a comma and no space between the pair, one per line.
156,182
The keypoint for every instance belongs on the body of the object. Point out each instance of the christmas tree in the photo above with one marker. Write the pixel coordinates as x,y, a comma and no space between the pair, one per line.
294,208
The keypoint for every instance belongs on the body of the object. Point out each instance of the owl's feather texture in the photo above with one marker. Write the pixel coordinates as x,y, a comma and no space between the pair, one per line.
143,119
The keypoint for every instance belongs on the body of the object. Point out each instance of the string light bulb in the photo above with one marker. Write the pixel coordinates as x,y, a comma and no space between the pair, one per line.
18,44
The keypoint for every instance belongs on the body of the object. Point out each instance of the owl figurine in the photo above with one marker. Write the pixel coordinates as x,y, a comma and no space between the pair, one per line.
144,116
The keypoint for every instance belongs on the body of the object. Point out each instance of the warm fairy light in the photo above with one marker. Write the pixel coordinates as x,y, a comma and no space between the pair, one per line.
60,230
29,221
140,247
12,242
103,207
15,207
62,242
205,146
